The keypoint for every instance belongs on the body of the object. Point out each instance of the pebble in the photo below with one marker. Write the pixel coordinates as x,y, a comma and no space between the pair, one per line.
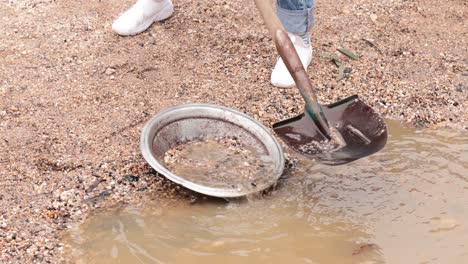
11,236
443,224
110,71
67,195
32,250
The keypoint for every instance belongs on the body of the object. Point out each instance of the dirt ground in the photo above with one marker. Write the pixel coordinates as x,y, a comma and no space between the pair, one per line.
74,96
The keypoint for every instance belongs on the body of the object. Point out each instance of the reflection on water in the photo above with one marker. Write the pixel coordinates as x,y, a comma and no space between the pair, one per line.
405,204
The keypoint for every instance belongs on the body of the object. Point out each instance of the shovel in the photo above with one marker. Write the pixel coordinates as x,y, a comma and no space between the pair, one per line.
333,134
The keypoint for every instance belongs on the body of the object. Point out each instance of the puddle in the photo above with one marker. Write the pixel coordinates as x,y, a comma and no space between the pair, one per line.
405,204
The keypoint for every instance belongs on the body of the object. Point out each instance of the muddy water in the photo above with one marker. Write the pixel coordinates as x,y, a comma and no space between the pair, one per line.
405,204
221,163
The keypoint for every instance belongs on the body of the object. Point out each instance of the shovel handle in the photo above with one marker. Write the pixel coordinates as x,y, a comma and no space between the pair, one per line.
293,63
269,16
296,69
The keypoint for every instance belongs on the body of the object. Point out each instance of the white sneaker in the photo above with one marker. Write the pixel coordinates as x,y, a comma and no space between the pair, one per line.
280,76
141,15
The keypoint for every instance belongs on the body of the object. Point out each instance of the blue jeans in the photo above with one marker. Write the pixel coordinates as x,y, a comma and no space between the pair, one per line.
297,16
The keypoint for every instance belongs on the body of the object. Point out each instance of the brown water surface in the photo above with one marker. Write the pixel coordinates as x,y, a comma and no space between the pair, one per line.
405,204
221,163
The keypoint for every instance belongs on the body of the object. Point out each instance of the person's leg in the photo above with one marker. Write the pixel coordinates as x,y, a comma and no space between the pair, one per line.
297,18
141,15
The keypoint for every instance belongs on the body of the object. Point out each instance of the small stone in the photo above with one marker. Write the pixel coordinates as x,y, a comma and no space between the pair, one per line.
373,17
11,236
67,195
50,246
443,224
110,71
131,178
459,87
56,204
32,250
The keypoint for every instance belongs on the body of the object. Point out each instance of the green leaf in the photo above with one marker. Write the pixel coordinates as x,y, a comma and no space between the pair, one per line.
340,70
338,63
348,53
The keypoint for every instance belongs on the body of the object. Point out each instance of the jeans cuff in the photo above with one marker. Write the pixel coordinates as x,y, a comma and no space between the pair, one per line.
296,21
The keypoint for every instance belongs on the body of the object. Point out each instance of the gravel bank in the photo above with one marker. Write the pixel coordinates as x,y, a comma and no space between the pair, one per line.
74,96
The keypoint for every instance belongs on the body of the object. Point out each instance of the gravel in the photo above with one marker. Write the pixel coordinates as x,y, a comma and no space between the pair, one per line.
223,162
74,96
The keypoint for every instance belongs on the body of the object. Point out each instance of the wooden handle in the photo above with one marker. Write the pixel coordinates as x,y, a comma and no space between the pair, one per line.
269,16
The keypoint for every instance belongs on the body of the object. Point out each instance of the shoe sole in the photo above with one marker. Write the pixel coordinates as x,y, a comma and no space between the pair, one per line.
165,12
280,86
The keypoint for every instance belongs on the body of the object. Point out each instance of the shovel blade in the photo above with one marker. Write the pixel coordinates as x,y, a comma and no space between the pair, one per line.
356,129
